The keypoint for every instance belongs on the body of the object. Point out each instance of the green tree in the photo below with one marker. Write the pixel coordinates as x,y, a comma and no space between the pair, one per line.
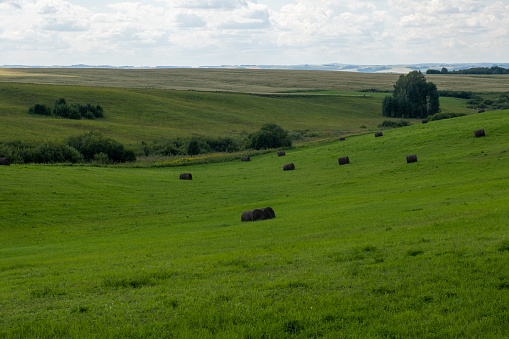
92,143
413,97
269,136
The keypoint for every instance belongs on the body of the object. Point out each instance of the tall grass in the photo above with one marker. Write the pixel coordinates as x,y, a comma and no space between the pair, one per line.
376,248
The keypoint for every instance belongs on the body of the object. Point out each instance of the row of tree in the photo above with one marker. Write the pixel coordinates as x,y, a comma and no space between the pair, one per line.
94,147
268,136
64,110
473,70
88,147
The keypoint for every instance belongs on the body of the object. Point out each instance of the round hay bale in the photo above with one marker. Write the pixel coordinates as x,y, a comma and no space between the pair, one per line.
379,134
479,133
411,158
253,215
425,121
186,176
245,159
246,216
289,167
281,153
343,161
269,213
5,161
342,139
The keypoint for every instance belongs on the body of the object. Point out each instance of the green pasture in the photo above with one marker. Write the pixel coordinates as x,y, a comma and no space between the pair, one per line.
133,116
377,248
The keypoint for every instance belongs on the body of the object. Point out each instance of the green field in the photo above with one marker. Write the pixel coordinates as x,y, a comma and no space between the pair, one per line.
136,115
377,248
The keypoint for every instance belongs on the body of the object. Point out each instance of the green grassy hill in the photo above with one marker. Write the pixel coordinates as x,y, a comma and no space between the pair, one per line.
135,115
375,248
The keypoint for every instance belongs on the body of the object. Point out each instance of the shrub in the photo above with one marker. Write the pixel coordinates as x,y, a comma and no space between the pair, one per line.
269,136
20,152
102,158
441,116
63,110
92,143
394,124
40,109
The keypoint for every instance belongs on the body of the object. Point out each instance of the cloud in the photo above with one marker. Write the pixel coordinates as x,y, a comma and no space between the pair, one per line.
243,31
190,20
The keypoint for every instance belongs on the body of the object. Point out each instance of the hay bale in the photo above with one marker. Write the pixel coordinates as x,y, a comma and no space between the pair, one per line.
245,159
186,176
253,215
269,213
289,167
411,158
281,153
379,134
246,216
479,133
5,161
425,121
343,161
342,139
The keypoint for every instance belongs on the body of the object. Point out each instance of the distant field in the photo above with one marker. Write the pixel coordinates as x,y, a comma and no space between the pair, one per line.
377,248
246,81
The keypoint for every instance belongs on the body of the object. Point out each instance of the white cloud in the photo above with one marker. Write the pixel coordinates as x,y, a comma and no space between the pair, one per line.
198,32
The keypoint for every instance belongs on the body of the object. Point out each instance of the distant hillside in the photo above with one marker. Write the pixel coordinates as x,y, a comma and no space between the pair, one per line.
397,68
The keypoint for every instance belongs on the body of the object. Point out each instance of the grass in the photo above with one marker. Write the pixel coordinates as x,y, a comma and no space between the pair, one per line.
134,116
375,248
245,81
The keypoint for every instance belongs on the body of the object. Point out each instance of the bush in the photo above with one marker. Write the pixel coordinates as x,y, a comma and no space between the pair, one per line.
394,124
20,152
456,94
63,110
102,158
40,109
92,143
441,116
269,136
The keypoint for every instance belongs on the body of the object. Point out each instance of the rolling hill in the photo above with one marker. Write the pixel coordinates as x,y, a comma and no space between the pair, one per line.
375,248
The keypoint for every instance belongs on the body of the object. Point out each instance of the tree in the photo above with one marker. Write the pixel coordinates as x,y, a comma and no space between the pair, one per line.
269,136
40,109
92,143
413,97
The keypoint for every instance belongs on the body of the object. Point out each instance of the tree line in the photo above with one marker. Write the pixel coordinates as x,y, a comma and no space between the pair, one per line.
93,147
473,70
87,147
268,136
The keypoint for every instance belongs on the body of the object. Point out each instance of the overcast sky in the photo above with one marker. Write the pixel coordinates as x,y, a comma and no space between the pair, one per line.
240,32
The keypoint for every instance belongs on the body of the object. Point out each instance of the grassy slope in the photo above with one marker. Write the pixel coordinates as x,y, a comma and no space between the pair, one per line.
376,248
135,115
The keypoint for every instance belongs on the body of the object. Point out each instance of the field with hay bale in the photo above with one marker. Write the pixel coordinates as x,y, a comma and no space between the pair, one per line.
146,106
374,249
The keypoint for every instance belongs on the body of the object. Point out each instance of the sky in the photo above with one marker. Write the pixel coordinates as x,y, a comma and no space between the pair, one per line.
252,32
